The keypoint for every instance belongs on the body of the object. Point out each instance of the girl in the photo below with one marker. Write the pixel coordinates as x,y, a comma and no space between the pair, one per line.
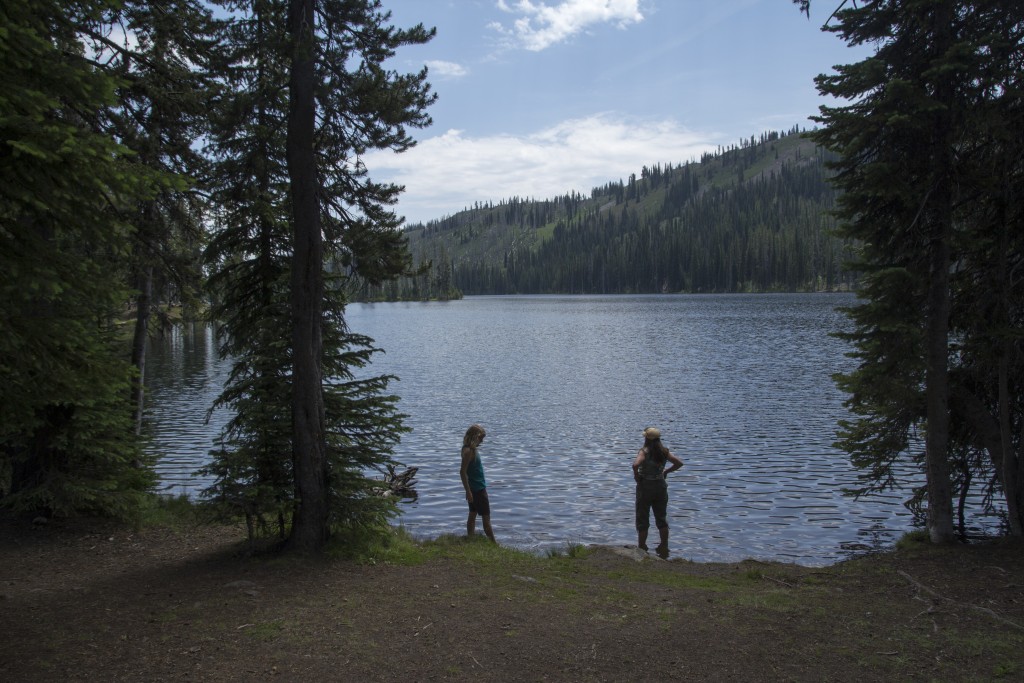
472,473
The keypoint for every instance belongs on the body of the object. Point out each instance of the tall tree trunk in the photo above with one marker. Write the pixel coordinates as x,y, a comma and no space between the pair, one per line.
1011,466
1019,459
146,241
1010,473
143,309
309,450
940,489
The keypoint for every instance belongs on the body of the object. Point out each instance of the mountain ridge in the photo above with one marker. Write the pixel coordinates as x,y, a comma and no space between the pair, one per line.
750,217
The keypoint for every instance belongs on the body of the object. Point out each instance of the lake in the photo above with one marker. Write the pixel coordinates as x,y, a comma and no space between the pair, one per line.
740,386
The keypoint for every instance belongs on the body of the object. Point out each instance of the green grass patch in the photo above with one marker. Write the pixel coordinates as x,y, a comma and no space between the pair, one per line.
166,617
174,512
383,545
775,601
265,631
914,540
478,550
573,551
394,546
674,579
1007,670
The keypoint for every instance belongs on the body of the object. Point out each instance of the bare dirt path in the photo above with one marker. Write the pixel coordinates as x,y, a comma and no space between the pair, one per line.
83,601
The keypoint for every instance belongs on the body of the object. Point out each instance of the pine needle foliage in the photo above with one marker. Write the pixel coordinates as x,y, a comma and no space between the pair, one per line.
930,171
251,254
66,441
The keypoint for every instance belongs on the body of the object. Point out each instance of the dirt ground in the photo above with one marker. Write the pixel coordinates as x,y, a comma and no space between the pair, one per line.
83,601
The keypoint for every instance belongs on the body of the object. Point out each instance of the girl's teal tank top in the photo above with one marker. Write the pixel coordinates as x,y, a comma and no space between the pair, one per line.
475,474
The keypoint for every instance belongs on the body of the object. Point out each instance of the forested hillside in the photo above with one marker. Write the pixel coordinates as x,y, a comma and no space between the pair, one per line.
751,217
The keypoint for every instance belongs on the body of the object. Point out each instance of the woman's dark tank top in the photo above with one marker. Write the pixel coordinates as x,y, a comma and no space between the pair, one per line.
650,469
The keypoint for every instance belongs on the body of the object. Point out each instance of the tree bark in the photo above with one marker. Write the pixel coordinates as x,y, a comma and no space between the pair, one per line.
994,435
309,530
143,309
940,490
1010,466
1009,473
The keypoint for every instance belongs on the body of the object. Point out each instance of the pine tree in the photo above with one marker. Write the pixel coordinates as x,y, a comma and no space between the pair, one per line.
941,88
988,300
307,102
65,190
158,51
342,103
248,256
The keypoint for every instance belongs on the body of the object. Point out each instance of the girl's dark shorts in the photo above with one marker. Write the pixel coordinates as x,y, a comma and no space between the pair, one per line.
481,503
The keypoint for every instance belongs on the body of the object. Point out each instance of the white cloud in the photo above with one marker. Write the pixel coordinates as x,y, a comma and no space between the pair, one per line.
446,69
541,26
448,173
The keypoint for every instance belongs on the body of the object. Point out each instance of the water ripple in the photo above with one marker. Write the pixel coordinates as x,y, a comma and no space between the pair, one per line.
740,386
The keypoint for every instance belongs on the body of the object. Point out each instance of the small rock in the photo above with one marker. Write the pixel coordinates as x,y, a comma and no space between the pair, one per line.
630,552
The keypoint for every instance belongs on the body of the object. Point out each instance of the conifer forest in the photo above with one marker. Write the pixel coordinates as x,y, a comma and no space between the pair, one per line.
753,217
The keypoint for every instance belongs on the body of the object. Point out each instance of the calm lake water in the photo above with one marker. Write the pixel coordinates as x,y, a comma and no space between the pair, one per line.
739,385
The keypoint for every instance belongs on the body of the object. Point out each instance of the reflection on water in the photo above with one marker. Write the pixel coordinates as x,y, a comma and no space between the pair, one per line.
184,378
739,385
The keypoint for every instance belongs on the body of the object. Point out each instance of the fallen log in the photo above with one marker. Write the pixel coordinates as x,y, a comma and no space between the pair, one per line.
401,484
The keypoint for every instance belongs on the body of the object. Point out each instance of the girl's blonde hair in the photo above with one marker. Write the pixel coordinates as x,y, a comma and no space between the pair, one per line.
471,436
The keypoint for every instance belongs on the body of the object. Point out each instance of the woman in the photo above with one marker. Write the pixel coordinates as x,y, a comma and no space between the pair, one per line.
652,489
472,473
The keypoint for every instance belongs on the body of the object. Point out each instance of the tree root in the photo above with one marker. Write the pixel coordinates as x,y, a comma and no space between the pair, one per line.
984,610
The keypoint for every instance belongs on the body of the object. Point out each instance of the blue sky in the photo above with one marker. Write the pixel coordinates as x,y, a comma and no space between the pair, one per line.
540,97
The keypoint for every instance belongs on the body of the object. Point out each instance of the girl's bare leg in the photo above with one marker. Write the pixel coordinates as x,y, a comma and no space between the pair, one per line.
487,527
